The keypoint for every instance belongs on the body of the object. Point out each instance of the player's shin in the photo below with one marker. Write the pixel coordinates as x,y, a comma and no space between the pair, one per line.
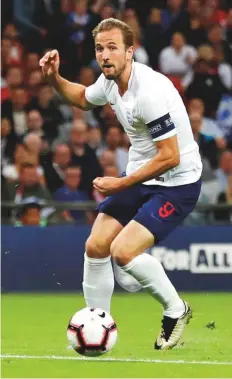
98,282
152,277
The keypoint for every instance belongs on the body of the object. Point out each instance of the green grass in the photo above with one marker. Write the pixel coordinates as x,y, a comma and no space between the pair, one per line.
36,325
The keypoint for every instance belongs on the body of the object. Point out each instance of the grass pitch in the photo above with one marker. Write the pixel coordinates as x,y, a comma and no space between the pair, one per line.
34,343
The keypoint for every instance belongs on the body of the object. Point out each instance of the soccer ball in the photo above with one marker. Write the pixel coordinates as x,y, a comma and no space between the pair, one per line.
92,332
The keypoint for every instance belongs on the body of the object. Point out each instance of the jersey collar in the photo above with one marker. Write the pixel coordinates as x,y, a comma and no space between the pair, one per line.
130,79
131,74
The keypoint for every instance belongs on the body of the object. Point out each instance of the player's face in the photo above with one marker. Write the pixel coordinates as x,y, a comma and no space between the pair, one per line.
111,53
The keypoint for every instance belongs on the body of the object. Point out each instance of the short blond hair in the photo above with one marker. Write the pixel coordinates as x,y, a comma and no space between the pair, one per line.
113,23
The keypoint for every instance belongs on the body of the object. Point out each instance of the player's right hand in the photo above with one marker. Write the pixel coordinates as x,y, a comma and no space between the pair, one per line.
50,63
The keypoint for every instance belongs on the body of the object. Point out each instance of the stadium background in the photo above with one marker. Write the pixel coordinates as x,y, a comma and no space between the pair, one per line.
51,152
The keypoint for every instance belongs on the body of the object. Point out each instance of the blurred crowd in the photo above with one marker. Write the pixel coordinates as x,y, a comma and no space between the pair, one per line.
52,151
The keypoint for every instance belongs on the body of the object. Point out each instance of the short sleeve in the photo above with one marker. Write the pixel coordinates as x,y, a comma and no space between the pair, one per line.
95,94
155,115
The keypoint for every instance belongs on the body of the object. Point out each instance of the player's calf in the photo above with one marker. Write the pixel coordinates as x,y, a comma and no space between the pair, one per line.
121,257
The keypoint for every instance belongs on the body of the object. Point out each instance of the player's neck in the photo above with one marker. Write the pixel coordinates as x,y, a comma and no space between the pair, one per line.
123,80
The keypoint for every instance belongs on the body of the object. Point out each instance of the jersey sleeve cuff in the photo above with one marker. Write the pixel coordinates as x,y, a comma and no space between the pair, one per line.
91,99
166,135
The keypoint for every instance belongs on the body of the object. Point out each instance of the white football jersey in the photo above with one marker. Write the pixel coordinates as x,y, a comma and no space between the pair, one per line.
151,110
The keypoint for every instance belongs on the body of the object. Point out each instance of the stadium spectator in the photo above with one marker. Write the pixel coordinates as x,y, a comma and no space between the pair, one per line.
209,154
212,14
51,115
206,86
107,11
140,53
55,166
224,170
130,15
215,58
32,22
224,175
178,58
107,158
153,32
224,69
113,143
171,14
5,92
111,170
14,77
224,118
15,110
190,24
34,80
209,126
16,52
216,40
32,62
6,55
70,115
225,198
95,140
26,152
83,156
89,117
28,185
30,213
35,123
80,22
71,192
228,29
207,145
8,141
86,76
229,190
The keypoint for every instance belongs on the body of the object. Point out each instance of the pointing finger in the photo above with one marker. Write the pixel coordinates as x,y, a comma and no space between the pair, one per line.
53,53
44,59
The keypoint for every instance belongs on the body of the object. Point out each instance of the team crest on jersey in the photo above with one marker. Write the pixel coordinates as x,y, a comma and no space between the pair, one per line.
129,116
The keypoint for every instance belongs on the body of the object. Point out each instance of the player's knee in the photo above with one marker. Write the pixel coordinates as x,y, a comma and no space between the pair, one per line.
120,255
95,248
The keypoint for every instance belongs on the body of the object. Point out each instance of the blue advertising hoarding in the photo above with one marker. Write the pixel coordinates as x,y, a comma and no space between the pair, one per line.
51,259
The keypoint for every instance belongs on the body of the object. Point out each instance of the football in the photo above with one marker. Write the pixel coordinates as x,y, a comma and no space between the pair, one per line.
92,332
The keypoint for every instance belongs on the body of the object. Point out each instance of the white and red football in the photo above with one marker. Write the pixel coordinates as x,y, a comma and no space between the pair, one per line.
92,332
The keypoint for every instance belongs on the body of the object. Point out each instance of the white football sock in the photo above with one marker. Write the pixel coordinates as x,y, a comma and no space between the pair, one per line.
98,282
152,277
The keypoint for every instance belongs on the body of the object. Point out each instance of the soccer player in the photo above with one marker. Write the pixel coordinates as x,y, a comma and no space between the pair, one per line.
162,181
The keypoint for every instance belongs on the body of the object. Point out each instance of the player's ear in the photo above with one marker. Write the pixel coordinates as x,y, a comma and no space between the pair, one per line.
130,53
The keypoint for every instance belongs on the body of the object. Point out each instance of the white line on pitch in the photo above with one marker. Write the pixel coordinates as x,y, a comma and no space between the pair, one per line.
129,360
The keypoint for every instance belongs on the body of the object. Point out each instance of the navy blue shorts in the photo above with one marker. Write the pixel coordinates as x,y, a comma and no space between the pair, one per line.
160,209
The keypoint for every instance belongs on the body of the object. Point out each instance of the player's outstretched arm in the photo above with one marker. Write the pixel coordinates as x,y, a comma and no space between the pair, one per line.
73,93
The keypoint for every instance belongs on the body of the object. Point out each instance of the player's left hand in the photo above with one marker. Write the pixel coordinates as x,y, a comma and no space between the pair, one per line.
108,185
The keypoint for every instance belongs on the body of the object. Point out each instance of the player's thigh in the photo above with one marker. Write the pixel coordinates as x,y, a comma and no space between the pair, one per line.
133,240
104,231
